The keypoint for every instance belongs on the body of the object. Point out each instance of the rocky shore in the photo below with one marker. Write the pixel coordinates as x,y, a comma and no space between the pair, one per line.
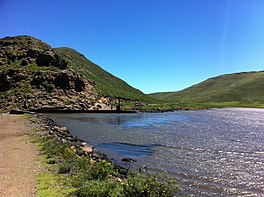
62,133
67,166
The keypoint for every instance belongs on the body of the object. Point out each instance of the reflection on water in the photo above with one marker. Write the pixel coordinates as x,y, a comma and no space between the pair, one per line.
125,149
213,152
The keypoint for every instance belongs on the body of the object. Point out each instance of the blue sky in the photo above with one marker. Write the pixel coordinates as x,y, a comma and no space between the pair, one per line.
154,45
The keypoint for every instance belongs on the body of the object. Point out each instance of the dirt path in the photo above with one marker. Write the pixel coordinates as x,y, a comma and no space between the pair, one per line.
17,158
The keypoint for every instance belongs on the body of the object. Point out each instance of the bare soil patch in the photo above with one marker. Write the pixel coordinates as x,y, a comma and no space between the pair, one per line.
17,158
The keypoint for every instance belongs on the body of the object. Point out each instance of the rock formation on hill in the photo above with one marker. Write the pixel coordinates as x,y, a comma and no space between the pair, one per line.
33,76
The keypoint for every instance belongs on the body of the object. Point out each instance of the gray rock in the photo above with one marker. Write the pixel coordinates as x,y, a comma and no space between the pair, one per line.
63,130
127,159
123,171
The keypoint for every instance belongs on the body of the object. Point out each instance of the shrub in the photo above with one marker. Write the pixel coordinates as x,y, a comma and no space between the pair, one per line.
102,170
98,188
98,179
51,161
66,168
146,185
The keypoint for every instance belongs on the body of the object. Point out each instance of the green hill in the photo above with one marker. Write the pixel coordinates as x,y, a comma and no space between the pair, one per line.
107,84
33,75
238,89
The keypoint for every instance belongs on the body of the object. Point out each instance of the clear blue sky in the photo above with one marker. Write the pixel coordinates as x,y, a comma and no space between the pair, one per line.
154,45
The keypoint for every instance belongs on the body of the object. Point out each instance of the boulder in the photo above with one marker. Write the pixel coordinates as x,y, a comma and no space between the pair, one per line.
79,85
59,62
127,159
33,53
84,144
95,156
45,59
62,81
63,130
87,149
123,171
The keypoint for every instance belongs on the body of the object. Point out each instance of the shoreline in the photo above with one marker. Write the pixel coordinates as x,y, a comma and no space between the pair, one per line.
63,134
82,111
227,108
43,111
82,171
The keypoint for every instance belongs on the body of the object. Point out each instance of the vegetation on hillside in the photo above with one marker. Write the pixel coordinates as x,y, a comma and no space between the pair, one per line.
240,89
107,84
33,75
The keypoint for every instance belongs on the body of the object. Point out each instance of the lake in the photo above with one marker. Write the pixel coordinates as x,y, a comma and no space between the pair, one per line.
216,152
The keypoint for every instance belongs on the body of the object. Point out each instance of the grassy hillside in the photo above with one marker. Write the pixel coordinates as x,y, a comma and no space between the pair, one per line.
106,83
33,76
239,89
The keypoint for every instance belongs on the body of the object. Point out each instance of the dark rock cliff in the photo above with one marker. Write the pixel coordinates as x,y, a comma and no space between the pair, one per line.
33,76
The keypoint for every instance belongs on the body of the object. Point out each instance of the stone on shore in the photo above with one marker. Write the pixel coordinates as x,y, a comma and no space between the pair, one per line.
127,159
87,149
61,129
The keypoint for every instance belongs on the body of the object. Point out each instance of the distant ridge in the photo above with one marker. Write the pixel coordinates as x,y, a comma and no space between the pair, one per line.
238,89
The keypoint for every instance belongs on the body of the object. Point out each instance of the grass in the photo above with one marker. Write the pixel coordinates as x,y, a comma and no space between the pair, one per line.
239,89
106,83
67,174
53,185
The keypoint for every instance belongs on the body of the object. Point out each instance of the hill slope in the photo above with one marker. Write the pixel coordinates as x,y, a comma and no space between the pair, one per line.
33,75
245,88
107,84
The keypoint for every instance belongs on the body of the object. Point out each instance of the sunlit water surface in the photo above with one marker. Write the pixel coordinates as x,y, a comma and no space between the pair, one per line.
217,152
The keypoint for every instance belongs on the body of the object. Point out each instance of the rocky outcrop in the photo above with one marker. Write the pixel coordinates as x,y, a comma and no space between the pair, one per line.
28,50
48,58
9,78
46,89
63,80
33,76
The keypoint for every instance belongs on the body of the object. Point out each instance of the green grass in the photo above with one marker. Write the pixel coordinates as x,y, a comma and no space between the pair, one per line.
106,83
66,174
239,89
53,185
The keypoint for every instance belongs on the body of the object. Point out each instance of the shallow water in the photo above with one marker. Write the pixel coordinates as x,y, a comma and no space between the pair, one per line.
217,152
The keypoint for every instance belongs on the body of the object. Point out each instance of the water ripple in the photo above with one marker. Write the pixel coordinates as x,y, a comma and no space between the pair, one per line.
218,152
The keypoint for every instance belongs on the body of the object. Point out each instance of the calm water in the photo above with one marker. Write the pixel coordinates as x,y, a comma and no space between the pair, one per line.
218,152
